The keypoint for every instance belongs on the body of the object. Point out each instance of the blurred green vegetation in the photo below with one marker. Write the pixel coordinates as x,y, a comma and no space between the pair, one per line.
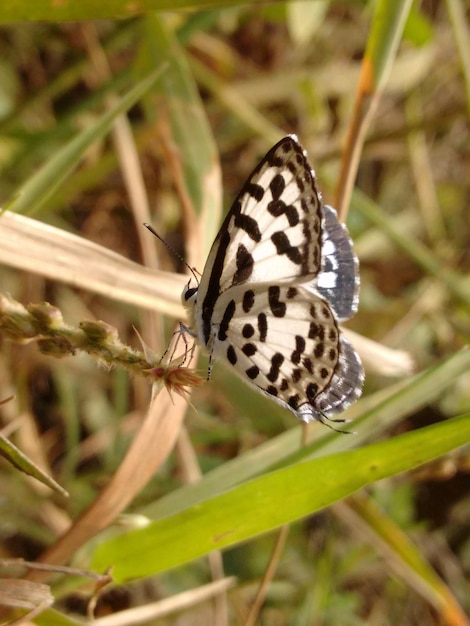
225,84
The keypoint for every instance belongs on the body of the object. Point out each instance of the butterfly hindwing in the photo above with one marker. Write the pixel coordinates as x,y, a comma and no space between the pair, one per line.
286,342
338,279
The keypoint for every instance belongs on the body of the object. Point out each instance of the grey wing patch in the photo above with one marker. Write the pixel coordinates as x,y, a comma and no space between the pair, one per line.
344,389
338,279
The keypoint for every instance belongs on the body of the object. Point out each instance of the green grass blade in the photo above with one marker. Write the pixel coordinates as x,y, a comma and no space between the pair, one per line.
41,186
378,412
457,284
19,460
272,500
196,154
44,11
385,36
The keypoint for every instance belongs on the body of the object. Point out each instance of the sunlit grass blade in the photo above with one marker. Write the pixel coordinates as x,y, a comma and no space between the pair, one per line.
272,500
384,37
377,412
59,255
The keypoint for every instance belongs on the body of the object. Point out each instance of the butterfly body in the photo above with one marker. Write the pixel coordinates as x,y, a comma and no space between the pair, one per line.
280,275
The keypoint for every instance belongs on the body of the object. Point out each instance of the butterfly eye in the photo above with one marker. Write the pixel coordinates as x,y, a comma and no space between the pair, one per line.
189,294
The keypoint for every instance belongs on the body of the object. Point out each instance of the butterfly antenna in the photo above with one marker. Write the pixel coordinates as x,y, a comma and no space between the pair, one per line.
172,250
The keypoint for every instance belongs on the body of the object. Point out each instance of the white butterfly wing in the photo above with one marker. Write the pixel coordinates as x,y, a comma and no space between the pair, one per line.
272,231
279,275
286,342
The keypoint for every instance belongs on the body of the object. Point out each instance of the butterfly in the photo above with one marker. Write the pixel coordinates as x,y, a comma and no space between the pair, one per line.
280,276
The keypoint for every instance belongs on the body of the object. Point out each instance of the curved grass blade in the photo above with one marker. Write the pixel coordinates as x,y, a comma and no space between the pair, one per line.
378,412
19,460
272,500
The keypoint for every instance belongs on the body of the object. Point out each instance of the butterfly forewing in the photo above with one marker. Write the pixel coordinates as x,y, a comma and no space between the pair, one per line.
276,219
279,276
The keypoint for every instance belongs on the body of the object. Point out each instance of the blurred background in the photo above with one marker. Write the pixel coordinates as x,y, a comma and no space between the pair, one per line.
235,79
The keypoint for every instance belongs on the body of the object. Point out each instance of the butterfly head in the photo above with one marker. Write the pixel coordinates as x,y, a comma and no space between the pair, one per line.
188,300
189,296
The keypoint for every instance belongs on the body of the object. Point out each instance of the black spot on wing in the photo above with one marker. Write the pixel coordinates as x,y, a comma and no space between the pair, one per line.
277,186
299,349
245,265
308,364
283,246
248,300
279,207
249,225
226,319
252,372
262,326
311,391
254,190
293,401
278,308
231,355
248,331
300,184
313,330
276,361
249,349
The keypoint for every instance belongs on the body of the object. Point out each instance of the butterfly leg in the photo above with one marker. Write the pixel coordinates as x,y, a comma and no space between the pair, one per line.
329,421
211,356
183,332
174,343
170,343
